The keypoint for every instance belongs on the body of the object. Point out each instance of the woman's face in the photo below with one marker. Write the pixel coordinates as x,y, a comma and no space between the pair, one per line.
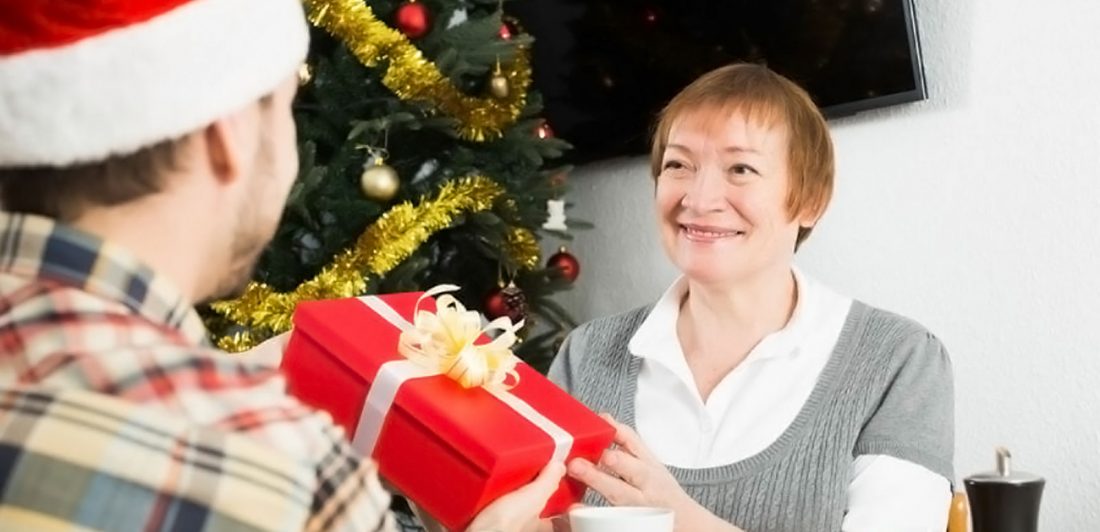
721,197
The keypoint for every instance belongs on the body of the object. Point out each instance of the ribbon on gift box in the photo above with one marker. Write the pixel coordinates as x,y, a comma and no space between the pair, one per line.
446,340
443,343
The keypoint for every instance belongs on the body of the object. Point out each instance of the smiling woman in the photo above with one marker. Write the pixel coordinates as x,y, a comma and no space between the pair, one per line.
749,111
720,197
751,395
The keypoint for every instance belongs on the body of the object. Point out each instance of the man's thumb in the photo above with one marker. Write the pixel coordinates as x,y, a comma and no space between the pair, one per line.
549,479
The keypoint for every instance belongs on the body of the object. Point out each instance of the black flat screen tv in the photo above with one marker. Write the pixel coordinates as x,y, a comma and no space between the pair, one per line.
606,67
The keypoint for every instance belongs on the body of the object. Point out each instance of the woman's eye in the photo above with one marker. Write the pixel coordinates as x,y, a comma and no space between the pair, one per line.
672,165
743,169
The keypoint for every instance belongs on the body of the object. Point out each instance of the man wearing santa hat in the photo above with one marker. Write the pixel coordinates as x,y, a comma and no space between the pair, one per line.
147,148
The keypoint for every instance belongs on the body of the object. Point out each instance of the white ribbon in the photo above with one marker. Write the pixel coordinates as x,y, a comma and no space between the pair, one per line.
392,375
563,441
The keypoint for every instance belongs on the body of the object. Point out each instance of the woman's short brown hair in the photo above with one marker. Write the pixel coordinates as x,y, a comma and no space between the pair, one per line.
761,95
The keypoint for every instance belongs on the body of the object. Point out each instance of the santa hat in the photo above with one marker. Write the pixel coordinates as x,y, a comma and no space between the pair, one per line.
82,80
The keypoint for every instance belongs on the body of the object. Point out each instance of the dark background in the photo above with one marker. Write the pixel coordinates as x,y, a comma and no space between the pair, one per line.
605,67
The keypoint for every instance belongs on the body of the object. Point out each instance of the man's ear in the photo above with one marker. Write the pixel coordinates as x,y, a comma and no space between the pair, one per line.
222,151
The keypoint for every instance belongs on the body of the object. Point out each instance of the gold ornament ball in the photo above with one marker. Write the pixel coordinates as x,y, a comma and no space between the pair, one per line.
379,182
498,86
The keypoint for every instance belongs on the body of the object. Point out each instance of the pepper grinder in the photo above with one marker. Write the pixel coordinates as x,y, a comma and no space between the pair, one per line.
1004,500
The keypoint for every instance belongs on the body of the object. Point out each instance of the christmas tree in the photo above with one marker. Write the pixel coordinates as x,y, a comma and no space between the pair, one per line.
423,162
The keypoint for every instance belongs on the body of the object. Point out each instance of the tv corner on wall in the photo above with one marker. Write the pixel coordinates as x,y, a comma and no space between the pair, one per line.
606,67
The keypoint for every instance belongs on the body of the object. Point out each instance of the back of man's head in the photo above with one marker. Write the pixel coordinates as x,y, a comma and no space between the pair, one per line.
100,100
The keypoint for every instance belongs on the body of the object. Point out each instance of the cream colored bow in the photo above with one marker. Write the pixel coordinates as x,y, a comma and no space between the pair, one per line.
443,341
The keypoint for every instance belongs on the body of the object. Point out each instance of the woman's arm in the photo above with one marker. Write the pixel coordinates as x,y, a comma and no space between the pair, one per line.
888,493
901,476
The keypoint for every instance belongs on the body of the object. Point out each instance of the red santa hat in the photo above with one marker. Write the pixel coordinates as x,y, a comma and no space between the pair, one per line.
82,80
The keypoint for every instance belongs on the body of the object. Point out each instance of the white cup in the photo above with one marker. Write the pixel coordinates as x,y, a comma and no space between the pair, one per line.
621,519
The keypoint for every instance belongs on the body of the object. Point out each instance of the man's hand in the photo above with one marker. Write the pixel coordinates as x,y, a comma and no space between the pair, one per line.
519,511
270,352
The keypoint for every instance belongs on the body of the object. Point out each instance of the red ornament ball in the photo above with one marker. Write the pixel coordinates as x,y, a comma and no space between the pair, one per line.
413,19
505,32
544,131
507,301
494,304
566,262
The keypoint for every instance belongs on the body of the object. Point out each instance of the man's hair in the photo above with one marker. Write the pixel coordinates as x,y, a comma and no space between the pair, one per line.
65,193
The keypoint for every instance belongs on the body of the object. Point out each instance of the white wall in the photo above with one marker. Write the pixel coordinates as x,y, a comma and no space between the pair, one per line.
977,212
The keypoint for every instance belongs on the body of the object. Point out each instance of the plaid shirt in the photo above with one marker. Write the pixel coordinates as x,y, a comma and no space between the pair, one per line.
79,316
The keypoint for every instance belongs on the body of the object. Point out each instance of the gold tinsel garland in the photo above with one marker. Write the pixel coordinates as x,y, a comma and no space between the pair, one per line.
522,245
412,77
385,244
237,342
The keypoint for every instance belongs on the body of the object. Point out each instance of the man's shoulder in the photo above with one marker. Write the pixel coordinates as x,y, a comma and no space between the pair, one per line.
66,338
45,305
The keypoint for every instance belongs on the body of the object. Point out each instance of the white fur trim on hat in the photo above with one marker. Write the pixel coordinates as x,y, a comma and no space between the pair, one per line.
133,87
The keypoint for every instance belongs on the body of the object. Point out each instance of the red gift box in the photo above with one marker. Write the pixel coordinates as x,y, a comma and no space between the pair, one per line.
449,449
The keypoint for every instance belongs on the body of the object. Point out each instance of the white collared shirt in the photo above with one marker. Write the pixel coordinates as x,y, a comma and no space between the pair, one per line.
753,404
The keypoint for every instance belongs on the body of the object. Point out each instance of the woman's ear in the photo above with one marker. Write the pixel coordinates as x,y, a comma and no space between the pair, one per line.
809,216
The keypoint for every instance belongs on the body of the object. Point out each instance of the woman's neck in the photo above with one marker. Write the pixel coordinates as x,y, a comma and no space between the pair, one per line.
720,325
759,305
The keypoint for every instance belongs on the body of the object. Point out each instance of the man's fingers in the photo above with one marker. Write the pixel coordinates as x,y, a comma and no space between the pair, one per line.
546,483
519,509
550,476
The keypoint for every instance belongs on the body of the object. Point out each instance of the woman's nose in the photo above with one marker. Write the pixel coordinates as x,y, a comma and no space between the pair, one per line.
706,193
